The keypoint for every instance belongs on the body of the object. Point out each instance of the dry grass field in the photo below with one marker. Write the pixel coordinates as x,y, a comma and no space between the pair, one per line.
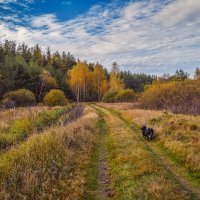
99,154
50,165
167,167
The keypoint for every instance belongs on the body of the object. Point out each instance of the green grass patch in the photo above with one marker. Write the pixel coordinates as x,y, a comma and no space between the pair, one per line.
92,174
22,128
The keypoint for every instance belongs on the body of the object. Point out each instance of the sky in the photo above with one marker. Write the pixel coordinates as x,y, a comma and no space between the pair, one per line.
142,36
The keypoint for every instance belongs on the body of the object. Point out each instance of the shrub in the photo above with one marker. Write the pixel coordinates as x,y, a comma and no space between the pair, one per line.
176,96
127,95
110,96
21,97
55,98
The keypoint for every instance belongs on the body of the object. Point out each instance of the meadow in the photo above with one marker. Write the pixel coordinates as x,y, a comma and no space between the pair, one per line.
51,164
167,167
96,151
118,119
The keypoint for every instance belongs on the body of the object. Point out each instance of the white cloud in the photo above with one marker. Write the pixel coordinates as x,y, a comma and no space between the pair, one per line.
150,37
180,12
7,1
69,3
14,1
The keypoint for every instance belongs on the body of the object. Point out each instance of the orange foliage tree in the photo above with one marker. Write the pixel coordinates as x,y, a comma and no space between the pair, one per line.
86,82
115,82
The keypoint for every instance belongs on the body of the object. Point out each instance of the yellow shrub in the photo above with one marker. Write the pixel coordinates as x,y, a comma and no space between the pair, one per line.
127,95
177,96
55,98
109,97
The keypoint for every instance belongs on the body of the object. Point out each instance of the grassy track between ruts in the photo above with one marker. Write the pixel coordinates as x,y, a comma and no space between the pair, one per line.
92,171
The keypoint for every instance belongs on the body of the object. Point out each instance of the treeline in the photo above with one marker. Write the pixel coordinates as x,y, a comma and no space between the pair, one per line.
24,67
29,76
136,82
32,69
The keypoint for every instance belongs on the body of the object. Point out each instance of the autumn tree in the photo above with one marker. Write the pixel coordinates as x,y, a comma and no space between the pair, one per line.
88,81
45,84
78,80
116,83
197,73
104,86
99,81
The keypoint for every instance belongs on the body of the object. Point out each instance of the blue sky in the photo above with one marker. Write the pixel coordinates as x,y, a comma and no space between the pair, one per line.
150,36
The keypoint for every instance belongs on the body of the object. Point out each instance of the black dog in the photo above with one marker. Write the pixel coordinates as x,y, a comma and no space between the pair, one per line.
147,133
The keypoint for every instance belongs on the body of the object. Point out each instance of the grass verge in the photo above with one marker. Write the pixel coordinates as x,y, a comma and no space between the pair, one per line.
21,129
51,165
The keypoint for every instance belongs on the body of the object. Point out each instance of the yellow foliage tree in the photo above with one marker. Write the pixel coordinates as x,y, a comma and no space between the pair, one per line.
78,80
115,82
46,83
99,81
87,83
104,86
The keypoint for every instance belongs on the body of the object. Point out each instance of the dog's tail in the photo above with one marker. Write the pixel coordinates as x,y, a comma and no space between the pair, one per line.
152,132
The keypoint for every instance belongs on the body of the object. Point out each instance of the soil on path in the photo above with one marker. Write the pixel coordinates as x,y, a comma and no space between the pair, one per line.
105,190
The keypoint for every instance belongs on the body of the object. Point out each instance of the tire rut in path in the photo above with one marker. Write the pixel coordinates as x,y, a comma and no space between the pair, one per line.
173,169
105,190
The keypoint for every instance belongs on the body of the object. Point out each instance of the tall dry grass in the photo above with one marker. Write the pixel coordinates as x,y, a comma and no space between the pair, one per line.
9,115
177,133
136,172
119,106
28,123
51,165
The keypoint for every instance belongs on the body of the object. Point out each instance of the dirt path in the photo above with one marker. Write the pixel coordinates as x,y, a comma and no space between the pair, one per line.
171,173
104,190
104,181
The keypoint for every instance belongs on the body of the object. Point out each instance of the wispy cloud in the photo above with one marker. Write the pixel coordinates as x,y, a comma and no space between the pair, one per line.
7,1
69,3
153,37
